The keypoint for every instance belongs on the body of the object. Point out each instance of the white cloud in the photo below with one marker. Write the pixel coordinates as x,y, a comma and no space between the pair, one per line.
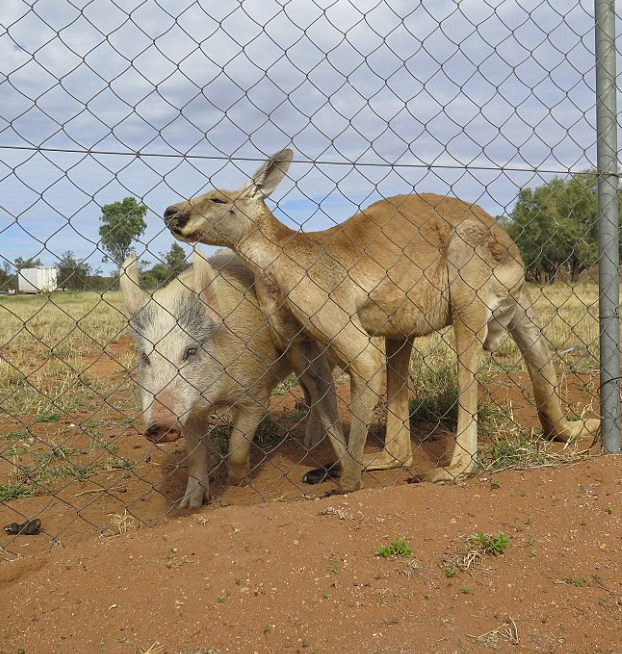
433,87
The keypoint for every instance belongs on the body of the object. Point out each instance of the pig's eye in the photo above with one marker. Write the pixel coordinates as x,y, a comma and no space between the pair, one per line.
218,201
190,352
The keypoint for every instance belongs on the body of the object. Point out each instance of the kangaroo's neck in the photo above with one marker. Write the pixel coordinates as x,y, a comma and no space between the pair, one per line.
266,241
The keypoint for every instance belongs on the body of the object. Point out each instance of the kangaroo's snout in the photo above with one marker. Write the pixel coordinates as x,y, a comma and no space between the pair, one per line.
175,219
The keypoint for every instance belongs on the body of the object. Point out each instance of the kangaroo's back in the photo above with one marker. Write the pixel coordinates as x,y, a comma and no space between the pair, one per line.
413,229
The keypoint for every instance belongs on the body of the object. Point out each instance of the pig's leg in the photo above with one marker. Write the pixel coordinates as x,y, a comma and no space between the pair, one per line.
323,416
246,418
314,370
197,445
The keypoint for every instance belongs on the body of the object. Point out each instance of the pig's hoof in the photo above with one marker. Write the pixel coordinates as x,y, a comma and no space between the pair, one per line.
187,504
331,472
193,501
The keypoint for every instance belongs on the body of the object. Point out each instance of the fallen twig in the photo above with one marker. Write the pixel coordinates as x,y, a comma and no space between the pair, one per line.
507,632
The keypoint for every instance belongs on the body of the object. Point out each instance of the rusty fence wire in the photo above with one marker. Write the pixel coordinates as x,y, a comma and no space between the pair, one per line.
112,112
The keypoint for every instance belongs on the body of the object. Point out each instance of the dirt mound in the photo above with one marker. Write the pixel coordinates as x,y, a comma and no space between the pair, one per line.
306,576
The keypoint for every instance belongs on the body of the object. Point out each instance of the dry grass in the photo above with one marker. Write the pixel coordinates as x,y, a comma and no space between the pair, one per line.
51,347
48,344
568,316
121,524
507,633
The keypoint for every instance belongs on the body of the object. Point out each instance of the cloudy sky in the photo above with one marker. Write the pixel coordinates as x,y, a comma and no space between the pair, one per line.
160,100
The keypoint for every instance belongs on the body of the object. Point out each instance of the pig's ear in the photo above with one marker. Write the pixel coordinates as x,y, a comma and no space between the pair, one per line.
135,298
206,284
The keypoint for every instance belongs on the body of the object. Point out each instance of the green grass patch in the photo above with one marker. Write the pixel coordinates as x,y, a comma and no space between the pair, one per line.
494,544
397,547
269,434
17,491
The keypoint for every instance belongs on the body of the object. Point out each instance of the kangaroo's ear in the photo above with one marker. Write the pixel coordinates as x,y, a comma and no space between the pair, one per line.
206,285
135,298
268,176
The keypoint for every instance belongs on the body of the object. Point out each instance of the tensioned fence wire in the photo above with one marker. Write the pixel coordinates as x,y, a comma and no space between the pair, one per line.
491,103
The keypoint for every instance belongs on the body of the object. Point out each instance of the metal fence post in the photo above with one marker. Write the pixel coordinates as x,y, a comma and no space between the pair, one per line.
608,225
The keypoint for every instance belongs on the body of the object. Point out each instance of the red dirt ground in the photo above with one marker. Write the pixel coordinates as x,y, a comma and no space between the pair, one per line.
299,572
304,576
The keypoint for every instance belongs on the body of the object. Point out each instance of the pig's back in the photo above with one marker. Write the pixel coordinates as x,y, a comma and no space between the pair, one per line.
233,270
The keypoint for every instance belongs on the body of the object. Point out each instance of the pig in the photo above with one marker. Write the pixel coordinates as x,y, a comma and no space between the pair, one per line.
205,345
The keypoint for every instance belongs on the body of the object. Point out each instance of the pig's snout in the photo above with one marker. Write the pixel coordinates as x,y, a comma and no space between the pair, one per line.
159,432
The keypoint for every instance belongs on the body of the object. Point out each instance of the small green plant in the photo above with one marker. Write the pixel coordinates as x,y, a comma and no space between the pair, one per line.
20,434
49,415
512,452
99,444
436,397
269,434
16,491
451,572
397,547
465,590
575,581
284,386
494,544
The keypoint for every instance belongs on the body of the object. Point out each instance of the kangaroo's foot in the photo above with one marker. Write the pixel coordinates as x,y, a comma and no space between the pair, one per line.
573,430
334,472
385,460
329,472
463,467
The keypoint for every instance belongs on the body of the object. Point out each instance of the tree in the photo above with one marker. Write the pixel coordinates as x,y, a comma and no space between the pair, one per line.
72,274
555,227
21,263
122,223
171,263
175,259
7,277
155,276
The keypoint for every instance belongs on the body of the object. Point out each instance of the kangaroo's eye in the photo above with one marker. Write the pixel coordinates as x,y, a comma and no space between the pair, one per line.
190,352
218,201
144,359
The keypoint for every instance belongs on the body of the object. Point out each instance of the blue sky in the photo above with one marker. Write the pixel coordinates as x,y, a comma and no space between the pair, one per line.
160,101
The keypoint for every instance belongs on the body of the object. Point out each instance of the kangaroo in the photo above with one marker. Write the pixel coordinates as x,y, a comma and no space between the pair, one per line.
406,266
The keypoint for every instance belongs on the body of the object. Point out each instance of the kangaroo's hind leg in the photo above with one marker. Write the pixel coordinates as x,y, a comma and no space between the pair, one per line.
397,451
527,334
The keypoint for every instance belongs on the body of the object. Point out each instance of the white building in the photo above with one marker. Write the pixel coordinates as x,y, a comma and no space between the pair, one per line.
37,280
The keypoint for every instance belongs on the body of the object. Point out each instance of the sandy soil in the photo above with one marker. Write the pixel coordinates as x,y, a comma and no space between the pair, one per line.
304,576
277,567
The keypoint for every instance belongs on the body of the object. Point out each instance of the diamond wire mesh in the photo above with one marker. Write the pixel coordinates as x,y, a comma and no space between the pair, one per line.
492,103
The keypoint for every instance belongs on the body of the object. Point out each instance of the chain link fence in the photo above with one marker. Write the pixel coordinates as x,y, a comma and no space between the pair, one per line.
115,111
